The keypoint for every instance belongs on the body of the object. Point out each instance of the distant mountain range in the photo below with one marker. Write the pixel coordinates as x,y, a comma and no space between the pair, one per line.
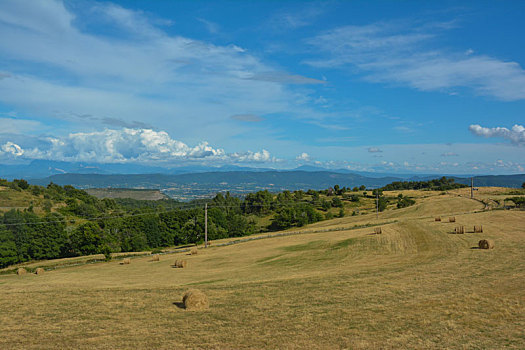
200,185
43,168
199,181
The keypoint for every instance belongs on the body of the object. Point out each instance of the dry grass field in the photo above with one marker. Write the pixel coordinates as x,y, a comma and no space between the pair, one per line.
334,285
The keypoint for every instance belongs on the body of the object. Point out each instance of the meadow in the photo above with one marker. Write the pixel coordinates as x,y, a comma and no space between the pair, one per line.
332,284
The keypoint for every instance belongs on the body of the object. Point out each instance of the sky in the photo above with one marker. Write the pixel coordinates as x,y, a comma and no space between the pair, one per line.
383,86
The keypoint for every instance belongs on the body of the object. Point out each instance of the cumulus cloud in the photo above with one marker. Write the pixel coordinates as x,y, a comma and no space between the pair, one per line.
516,135
374,150
248,157
12,149
122,145
127,145
303,157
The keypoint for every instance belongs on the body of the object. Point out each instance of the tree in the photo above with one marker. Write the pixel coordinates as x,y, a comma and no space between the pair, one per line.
8,252
523,185
337,203
326,205
16,222
382,203
86,239
49,238
258,203
377,191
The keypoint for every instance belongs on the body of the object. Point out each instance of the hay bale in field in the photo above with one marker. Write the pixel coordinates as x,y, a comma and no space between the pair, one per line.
478,229
39,271
194,251
459,229
486,244
126,261
155,257
437,218
378,230
452,219
21,271
181,263
195,299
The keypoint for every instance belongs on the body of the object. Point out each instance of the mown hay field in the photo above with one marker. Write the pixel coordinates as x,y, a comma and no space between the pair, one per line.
416,285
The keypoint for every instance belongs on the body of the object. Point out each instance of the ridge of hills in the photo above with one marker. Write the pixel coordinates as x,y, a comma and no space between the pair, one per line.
204,184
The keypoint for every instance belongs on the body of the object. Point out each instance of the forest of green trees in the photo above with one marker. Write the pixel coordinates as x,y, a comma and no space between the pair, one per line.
70,222
75,223
442,184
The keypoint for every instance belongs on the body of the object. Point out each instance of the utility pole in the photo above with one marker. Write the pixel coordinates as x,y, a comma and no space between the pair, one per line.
377,204
206,225
471,187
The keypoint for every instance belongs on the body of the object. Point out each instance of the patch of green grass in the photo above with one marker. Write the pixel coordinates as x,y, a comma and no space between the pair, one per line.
314,245
345,243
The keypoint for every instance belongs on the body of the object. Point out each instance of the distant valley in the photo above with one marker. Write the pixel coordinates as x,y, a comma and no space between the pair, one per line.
206,184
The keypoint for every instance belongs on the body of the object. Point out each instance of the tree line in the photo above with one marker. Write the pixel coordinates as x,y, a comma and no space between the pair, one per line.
64,221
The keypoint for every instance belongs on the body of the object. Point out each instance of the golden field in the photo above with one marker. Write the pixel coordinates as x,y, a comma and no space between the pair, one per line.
333,284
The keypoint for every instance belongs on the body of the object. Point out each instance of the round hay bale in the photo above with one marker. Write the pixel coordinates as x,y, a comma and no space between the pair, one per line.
126,261
486,244
21,271
39,271
181,263
195,299
156,257
194,251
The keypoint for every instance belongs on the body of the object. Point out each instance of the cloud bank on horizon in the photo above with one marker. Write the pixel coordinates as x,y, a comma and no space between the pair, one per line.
280,86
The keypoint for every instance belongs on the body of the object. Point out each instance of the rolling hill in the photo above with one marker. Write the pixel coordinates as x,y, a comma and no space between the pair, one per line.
333,284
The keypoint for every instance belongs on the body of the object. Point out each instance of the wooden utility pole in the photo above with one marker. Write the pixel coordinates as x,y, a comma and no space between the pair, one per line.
377,204
206,225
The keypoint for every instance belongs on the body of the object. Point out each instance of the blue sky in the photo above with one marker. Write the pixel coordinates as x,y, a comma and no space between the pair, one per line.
412,86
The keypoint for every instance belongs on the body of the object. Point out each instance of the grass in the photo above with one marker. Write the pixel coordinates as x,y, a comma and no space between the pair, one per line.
414,286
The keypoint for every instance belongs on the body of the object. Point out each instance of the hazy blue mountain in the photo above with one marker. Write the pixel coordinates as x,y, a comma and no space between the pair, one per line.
45,168
495,180
277,180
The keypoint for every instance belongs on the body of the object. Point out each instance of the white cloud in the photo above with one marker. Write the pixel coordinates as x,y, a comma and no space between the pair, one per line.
129,145
124,145
303,157
249,156
137,74
374,150
12,149
393,53
516,135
